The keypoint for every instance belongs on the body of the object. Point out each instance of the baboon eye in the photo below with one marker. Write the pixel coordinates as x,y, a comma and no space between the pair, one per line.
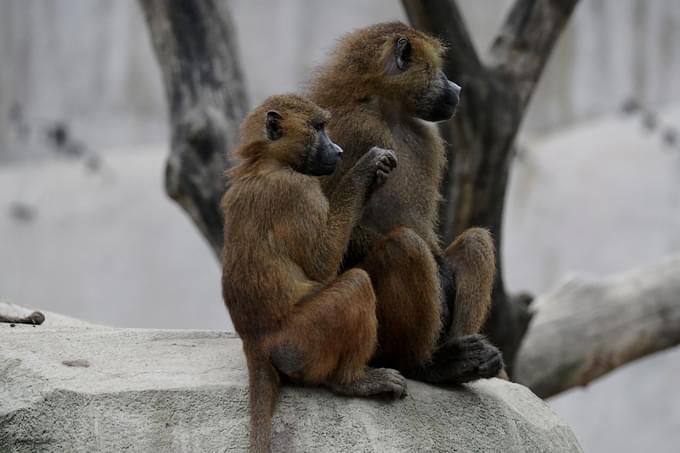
402,53
318,126
272,125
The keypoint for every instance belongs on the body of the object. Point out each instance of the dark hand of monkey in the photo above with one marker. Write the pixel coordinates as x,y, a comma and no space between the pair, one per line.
462,359
383,161
474,356
387,163
376,381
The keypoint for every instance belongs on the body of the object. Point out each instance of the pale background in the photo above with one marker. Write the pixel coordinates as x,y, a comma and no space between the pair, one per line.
593,192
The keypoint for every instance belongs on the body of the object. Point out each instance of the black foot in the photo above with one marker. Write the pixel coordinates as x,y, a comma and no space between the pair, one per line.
377,381
461,360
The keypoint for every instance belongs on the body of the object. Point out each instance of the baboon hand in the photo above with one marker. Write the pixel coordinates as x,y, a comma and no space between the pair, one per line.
468,358
383,161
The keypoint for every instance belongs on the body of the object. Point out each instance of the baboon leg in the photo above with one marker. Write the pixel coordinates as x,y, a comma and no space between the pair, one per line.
471,258
330,337
404,276
466,273
409,306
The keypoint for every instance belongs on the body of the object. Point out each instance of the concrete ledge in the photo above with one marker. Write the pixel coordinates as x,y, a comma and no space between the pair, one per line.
82,388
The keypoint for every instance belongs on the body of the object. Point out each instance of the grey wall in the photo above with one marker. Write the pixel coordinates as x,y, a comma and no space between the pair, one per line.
85,63
612,51
88,63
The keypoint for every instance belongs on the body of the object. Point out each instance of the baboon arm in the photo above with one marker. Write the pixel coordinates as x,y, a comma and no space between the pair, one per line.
345,207
361,241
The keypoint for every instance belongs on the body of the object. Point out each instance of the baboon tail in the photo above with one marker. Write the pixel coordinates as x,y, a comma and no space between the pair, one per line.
264,391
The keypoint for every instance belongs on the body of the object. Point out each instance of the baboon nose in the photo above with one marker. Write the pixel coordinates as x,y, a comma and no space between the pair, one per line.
338,150
455,87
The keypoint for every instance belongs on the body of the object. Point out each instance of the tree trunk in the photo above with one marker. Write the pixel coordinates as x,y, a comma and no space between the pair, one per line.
482,133
196,48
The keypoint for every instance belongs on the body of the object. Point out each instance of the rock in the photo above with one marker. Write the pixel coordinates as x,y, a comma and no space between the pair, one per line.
83,388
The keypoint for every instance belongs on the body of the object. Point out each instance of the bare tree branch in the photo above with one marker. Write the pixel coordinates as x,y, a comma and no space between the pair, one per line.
196,49
585,329
521,49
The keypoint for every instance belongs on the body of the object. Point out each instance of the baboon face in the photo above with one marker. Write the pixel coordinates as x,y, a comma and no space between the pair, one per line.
325,155
440,101
398,65
308,149
416,70
293,130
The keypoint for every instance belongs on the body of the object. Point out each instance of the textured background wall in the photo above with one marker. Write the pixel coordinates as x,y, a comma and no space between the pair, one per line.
88,63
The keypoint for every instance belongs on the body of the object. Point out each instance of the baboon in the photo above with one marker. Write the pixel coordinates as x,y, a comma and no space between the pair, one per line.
381,85
283,245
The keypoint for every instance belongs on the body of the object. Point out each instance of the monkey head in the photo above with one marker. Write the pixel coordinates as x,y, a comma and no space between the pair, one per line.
433,96
412,64
293,131
398,66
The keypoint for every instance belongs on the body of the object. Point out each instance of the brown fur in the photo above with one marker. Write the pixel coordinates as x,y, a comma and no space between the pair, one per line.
283,245
374,103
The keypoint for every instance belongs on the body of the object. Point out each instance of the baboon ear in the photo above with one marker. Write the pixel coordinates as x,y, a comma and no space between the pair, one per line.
402,53
272,126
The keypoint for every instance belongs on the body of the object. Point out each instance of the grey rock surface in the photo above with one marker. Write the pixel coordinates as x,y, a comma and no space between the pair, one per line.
86,388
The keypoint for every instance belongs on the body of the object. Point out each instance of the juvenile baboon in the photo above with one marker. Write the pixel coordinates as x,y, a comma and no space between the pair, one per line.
283,245
381,85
